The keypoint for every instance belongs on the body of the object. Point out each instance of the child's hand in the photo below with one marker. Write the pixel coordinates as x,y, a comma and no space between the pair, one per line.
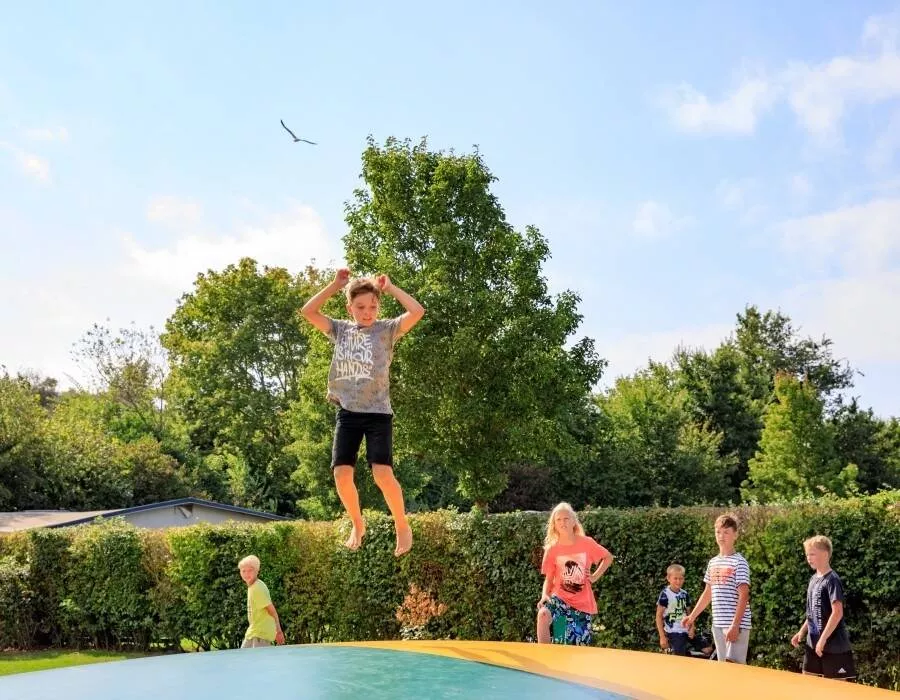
342,276
544,599
795,640
692,631
687,621
820,647
384,283
663,642
279,637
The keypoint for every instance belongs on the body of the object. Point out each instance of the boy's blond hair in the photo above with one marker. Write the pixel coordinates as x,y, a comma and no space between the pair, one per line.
727,520
362,285
675,569
820,542
552,536
252,561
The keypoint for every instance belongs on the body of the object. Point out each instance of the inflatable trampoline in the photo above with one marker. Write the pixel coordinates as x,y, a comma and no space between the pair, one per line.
431,670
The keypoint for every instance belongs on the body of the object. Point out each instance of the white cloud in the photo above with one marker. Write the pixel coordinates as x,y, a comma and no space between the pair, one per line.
656,220
630,351
30,164
856,251
738,112
881,154
800,185
742,198
59,133
734,194
288,240
819,94
140,283
857,238
857,312
178,212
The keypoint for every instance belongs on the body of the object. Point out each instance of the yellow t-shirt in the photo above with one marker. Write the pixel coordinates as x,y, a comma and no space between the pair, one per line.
262,624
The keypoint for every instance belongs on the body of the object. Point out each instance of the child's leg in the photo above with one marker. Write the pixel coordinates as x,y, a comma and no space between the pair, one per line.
543,625
679,643
380,453
719,642
393,496
346,488
737,650
348,435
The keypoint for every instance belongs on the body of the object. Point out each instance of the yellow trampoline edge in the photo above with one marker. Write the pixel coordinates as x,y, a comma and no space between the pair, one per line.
643,675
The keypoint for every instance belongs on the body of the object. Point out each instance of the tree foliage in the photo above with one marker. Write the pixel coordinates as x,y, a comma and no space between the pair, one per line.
237,351
485,380
797,456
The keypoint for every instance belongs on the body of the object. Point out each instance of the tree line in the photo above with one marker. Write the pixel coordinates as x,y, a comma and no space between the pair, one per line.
495,394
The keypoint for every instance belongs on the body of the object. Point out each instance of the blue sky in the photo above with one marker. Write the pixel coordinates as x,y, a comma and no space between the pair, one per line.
682,161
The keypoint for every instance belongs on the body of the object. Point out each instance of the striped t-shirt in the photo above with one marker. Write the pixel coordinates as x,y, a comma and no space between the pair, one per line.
724,574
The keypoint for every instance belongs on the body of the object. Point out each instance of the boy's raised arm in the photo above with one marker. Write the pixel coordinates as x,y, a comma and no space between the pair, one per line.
414,310
311,309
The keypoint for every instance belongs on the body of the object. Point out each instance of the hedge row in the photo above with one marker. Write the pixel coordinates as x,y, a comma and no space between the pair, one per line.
468,577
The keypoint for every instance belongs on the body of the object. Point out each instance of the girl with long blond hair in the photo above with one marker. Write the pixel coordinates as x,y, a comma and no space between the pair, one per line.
567,605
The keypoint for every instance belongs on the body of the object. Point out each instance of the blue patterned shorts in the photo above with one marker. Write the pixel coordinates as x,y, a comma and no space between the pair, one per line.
568,625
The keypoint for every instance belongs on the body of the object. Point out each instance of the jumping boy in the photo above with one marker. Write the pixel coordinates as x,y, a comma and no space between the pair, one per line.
727,581
264,627
359,384
827,648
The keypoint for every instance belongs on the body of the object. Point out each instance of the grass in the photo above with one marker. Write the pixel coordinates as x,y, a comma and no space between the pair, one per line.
25,661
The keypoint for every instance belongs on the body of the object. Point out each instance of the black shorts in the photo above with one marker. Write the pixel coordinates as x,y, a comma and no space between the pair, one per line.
679,643
840,666
351,427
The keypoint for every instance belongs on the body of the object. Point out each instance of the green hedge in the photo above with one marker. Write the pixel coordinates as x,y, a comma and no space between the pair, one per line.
468,577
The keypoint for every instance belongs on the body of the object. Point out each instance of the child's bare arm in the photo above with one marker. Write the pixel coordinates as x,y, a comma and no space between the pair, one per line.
414,310
663,640
702,602
279,634
797,639
311,309
545,590
837,614
743,602
604,564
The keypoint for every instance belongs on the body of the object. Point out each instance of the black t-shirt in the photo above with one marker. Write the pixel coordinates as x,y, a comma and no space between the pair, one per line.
821,592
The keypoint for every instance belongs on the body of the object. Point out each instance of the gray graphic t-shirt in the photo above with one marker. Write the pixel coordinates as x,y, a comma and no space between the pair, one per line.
359,378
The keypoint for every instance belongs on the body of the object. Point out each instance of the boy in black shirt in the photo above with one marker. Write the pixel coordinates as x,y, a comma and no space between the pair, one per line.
828,651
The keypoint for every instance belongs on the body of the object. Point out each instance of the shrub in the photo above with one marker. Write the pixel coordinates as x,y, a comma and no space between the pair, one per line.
469,576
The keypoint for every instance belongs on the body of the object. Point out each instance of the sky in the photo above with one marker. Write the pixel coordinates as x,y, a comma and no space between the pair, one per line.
682,159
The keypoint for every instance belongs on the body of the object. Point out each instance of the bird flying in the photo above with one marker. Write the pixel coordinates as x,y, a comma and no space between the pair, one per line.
312,143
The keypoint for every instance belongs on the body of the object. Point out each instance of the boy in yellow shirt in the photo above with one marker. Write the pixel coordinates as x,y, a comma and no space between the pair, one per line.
264,626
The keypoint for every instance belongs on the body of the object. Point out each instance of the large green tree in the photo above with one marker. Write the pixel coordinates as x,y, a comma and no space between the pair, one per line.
732,386
655,453
22,445
486,379
796,455
869,442
237,350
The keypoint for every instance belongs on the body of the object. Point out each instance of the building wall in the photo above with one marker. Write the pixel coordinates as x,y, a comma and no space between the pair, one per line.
182,516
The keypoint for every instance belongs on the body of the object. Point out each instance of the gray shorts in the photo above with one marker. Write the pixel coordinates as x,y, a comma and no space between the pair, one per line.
731,651
254,642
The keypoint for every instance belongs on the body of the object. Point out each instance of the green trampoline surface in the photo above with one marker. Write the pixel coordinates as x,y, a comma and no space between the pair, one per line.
291,672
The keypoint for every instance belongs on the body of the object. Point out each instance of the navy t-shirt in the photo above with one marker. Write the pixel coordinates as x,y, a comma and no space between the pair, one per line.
821,592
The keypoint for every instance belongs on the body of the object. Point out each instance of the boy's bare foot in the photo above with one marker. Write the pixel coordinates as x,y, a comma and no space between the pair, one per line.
357,532
404,540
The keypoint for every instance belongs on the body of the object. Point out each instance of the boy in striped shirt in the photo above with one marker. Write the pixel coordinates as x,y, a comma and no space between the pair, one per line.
727,581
